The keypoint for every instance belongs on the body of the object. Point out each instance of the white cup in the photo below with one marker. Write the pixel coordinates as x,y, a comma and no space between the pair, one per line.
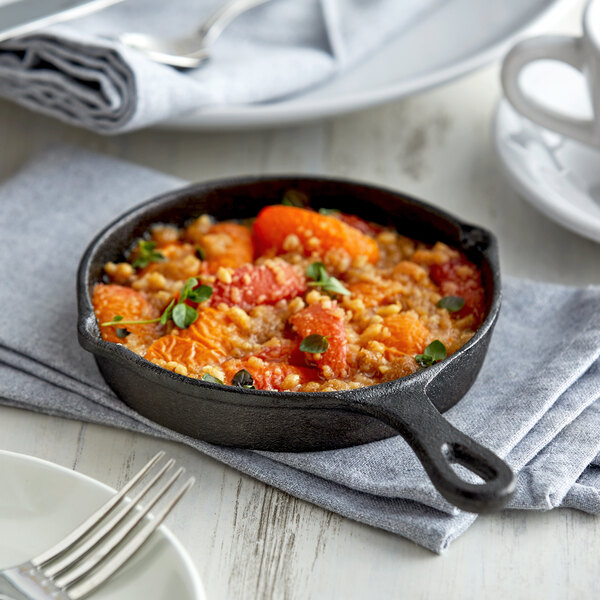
582,53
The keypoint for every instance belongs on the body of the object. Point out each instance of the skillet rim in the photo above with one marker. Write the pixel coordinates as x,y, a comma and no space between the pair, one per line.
91,340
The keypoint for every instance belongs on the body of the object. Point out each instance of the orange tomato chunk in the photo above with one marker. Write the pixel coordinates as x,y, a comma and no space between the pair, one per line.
275,223
328,322
460,277
261,284
268,376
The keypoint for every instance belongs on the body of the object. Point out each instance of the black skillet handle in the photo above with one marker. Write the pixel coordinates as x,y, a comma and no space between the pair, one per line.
438,445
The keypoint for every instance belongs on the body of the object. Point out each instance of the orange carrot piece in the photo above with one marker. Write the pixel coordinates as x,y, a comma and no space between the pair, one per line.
275,223
227,245
188,353
406,333
110,300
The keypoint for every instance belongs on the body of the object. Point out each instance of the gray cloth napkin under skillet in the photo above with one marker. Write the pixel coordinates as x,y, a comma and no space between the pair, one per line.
534,403
75,73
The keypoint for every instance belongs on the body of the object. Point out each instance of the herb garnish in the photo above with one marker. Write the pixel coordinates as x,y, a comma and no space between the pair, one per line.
314,343
332,285
295,198
200,252
243,379
146,255
435,352
122,332
211,379
451,303
182,314
328,211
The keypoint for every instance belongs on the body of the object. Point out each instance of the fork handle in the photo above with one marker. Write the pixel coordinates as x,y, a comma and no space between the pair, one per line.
216,23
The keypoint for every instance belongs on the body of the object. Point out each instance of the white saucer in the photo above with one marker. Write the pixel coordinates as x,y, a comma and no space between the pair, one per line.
40,502
557,175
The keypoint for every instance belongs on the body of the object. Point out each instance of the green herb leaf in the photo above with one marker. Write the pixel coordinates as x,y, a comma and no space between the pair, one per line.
166,315
332,285
200,253
435,352
117,318
243,379
122,332
327,212
211,379
192,282
451,303
146,255
316,271
314,343
295,198
200,294
183,315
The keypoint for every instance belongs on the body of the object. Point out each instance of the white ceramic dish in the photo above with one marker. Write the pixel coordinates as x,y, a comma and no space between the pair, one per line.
557,175
459,37
40,502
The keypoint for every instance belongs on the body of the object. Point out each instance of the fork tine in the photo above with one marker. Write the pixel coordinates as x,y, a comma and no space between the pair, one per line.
70,557
113,537
131,546
73,537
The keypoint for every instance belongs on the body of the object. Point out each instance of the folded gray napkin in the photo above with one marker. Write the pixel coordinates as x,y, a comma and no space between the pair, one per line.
76,73
534,402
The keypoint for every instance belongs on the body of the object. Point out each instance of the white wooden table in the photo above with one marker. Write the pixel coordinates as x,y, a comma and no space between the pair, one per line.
252,541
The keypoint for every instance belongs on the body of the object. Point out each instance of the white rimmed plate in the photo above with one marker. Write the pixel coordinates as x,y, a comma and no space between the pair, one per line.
456,38
557,175
40,502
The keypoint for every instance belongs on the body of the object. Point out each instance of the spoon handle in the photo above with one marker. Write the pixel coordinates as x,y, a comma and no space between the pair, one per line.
216,23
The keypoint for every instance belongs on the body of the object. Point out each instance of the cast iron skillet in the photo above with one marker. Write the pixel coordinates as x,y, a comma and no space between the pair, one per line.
280,421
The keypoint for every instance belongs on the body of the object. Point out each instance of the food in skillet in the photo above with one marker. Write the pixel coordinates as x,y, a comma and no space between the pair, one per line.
295,300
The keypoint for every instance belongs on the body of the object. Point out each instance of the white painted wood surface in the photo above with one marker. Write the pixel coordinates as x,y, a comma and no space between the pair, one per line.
251,541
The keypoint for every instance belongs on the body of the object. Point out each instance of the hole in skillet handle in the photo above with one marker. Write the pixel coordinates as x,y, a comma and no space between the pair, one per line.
439,445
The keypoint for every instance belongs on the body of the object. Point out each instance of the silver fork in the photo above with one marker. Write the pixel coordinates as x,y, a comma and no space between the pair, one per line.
101,545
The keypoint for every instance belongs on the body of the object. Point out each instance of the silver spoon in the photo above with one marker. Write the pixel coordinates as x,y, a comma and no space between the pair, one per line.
189,52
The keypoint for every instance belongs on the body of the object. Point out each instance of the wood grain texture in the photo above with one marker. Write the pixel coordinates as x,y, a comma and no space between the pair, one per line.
251,541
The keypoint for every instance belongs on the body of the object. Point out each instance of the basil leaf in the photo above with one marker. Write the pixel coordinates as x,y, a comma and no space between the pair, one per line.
183,315
435,352
122,332
211,379
166,315
329,211
295,198
200,253
314,343
243,379
451,303
200,294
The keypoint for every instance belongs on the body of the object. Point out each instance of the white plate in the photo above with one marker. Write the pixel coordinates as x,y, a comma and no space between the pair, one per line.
458,37
559,176
40,502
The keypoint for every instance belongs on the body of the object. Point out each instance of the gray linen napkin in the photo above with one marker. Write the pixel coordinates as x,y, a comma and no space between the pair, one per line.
534,403
76,73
